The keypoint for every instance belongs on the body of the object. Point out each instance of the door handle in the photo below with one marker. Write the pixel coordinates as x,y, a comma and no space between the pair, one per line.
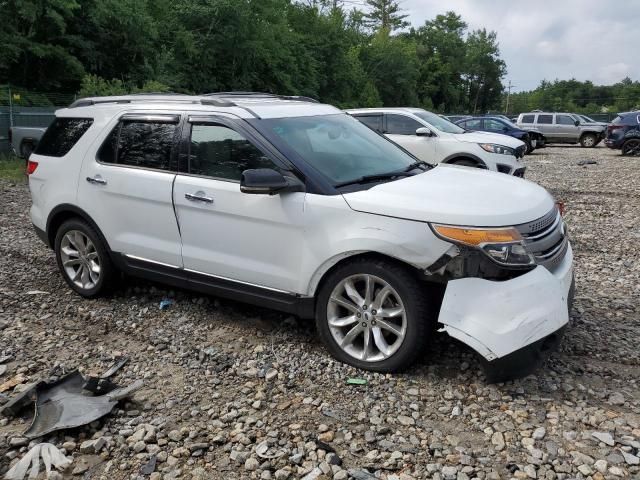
198,197
97,180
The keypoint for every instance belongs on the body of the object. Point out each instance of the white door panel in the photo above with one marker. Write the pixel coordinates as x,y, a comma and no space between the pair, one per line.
255,239
134,210
422,147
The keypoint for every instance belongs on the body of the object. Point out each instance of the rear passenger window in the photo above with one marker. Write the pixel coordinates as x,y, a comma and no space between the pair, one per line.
401,125
545,119
527,119
140,144
221,152
372,121
62,135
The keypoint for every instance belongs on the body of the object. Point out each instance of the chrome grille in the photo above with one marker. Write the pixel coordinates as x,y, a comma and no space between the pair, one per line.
546,239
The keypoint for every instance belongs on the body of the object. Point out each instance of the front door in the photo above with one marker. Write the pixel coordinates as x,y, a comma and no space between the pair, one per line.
126,187
227,234
402,130
565,127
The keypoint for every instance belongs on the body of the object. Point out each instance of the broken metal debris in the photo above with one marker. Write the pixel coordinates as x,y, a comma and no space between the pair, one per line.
51,457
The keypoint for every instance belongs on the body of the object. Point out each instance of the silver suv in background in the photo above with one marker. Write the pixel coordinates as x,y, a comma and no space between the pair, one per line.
562,128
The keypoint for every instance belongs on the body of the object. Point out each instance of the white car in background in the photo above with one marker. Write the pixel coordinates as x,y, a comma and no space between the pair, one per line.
434,139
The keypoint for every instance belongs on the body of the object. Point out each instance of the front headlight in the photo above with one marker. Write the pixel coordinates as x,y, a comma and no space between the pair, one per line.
494,148
503,245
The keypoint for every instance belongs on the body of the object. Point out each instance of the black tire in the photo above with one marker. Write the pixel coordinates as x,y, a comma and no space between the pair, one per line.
107,269
26,149
465,162
530,148
631,147
414,298
588,140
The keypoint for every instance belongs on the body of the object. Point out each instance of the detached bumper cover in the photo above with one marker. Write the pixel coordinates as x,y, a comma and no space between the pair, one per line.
497,319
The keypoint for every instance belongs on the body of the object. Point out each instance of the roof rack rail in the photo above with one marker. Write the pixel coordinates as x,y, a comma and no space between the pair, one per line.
86,102
299,98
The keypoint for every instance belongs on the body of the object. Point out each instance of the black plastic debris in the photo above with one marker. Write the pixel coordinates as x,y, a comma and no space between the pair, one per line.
71,401
586,162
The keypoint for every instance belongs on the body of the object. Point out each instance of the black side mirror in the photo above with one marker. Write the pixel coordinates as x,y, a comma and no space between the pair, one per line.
266,181
424,132
577,123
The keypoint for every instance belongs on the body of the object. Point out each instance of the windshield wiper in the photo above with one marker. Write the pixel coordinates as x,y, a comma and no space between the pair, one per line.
373,178
420,164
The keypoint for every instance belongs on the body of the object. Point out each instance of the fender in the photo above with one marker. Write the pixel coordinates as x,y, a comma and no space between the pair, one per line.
66,210
469,156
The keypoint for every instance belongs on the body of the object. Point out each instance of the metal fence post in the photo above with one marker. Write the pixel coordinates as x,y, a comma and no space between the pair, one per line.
10,107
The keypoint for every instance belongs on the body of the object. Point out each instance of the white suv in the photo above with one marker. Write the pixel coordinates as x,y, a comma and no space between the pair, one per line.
296,206
434,139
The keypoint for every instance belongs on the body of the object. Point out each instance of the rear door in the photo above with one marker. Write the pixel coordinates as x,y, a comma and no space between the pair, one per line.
402,130
544,123
565,127
495,126
227,234
126,186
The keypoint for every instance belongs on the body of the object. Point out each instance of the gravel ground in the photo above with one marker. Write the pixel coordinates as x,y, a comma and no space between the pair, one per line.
233,391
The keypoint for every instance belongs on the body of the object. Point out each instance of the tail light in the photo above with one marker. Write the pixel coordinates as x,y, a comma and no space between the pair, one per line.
611,128
31,167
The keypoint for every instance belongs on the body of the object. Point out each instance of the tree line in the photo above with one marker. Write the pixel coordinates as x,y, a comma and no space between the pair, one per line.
326,49
580,97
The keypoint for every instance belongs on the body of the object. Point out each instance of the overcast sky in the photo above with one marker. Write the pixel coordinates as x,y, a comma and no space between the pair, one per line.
597,40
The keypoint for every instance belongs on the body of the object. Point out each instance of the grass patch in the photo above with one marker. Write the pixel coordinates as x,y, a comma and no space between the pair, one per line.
12,168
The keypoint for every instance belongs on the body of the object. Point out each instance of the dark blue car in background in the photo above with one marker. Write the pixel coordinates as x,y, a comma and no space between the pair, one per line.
499,124
623,133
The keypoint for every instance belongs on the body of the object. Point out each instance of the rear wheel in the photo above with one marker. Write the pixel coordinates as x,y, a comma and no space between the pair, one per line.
373,314
83,259
26,149
631,147
588,140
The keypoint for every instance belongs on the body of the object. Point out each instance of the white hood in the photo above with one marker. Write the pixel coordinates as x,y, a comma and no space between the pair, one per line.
488,137
456,196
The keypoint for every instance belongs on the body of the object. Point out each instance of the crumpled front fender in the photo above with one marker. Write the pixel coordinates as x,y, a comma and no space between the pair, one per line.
497,318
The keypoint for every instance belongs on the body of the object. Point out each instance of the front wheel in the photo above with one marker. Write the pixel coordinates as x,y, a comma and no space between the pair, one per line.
588,140
373,314
83,259
631,147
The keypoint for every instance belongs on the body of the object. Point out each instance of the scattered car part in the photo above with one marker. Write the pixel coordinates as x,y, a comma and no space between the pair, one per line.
65,404
51,457
587,162
357,381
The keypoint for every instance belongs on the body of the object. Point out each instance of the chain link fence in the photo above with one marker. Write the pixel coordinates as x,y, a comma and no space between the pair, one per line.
25,108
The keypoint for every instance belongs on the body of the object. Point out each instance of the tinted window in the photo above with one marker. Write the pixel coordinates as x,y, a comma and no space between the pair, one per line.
62,135
401,125
371,121
545,119
491,124
475,124
140,144
565,120
527,118
219,151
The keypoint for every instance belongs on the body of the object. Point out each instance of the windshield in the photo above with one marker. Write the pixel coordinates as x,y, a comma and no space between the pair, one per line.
437,122
338,146
509,123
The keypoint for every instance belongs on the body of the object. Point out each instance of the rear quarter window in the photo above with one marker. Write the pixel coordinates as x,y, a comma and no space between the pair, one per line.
62,135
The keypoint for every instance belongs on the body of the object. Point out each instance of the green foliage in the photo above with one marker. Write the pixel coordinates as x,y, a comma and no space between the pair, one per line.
318,48
580,97
12,168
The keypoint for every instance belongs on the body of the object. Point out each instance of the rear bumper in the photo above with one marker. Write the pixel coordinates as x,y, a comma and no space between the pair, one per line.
499,318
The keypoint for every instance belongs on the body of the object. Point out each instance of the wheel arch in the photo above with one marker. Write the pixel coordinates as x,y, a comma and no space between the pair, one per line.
465,156
64,212
335,262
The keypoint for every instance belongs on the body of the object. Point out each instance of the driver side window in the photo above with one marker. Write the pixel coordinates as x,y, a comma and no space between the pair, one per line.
221,152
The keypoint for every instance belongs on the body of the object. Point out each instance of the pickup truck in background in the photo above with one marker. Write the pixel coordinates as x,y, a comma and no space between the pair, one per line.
23,140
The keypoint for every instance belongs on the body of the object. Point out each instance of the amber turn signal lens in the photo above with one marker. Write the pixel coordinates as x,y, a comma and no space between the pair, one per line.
478,236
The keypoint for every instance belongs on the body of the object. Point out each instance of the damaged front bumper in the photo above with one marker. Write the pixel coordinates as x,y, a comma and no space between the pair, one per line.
510,322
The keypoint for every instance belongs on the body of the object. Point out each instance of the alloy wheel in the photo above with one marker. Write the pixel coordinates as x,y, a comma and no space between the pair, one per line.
80,259
366,317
